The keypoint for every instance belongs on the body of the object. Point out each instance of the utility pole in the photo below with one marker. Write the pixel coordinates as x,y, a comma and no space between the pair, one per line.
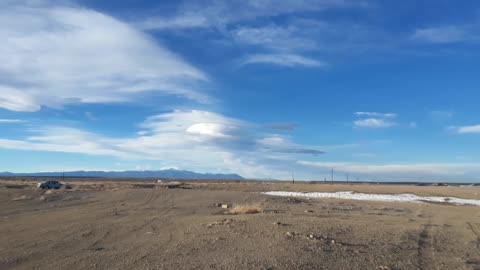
293,177
332,175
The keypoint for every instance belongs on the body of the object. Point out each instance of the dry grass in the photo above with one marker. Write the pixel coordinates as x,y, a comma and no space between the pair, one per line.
246,209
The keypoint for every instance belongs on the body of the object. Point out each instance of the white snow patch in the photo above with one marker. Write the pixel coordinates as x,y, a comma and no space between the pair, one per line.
350,195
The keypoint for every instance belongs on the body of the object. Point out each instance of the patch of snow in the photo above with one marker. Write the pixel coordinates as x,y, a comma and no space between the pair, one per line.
350,195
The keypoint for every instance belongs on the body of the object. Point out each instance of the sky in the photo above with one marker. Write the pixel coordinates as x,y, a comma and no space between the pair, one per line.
373,89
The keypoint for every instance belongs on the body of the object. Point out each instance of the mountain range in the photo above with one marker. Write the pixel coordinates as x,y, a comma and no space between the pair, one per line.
168,173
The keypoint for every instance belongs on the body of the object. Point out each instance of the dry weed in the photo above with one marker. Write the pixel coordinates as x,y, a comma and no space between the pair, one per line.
246,209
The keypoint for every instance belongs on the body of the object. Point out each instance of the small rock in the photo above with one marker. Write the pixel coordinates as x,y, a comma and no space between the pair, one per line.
277,223
290,234
332,241
308,211
226,206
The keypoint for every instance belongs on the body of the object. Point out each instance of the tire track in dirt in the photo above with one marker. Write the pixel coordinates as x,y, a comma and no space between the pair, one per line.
474,231
425,250
169,198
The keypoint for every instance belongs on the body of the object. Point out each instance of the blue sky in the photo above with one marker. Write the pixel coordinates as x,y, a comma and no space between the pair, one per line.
381,90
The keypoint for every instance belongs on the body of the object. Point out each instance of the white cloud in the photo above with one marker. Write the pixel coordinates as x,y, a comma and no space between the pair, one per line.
468,129
198,140
376,114
287,60
8,121
286,38
51,56
219,13
209,129
442,35
194,20
373,123
375,120
403,172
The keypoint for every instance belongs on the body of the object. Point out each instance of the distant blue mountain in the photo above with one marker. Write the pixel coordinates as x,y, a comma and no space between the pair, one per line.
170,173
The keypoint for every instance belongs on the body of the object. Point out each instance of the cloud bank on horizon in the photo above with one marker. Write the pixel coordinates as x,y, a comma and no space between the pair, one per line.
258,88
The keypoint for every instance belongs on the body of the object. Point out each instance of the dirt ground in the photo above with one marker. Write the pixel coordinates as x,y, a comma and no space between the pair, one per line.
142,225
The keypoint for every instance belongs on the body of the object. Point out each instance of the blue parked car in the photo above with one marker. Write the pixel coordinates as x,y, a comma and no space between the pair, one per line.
49,185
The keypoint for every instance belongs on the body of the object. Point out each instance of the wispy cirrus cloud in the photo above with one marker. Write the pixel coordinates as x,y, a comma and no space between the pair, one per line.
375,120
376,114
219,14
446,34
373,123
282,44
77,63
11,121
281,38
287,60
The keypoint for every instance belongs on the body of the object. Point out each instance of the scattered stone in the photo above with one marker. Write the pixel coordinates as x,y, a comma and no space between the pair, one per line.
383,267
332,241
277,223
308,211
223,222
290,234
226,206
294,200
314,237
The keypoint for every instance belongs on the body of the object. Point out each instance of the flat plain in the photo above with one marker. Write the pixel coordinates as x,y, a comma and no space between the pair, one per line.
111,224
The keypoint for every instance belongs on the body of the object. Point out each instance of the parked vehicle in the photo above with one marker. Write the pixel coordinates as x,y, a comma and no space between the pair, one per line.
49,185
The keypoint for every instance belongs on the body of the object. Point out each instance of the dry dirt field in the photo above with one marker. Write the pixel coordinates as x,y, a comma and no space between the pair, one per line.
141,225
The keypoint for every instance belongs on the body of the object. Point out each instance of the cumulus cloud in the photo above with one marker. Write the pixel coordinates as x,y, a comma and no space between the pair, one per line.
55,55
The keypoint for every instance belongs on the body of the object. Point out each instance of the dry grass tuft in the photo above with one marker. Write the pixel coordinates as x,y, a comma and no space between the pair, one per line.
246,209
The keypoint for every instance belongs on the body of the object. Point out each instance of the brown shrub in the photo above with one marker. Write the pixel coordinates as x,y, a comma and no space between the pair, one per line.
246,209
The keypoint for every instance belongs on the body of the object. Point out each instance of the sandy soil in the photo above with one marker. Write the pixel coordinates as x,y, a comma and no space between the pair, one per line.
140,225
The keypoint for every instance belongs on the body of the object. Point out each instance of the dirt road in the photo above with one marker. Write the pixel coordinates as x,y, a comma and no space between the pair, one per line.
147,227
